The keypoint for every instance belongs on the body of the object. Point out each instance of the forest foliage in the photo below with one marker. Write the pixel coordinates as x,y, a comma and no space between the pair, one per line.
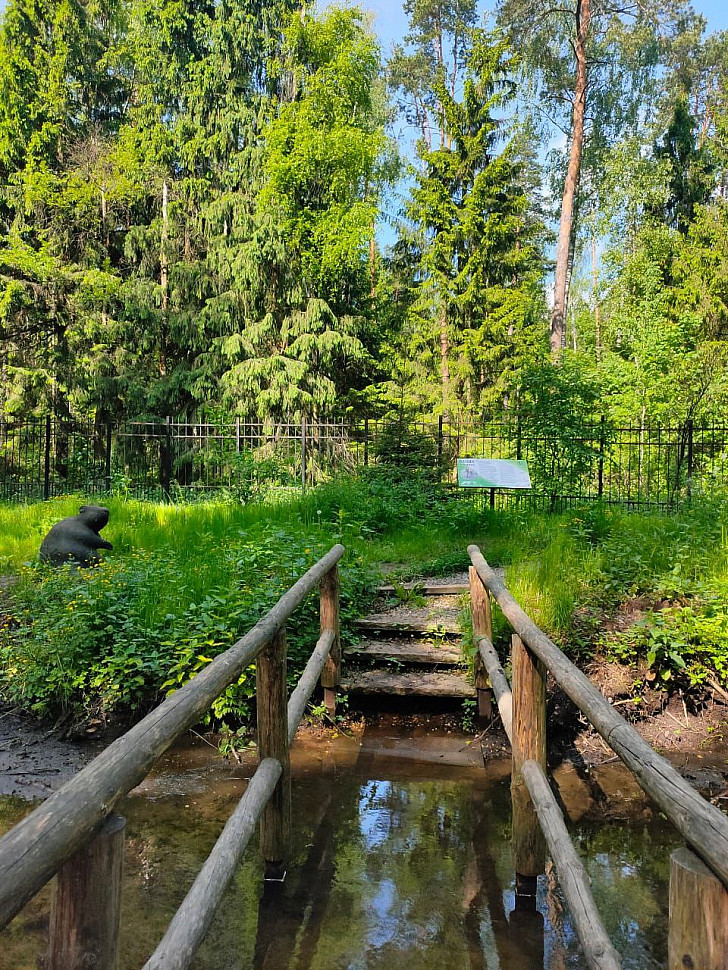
246,205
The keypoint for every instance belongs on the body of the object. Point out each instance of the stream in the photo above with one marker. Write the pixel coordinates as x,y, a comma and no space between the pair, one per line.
401,859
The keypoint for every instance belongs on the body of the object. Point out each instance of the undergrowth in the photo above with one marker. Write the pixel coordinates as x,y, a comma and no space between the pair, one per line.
185,581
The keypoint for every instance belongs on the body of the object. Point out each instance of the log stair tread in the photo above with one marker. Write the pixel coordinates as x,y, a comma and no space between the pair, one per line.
386,624
407,651
418,684
452,589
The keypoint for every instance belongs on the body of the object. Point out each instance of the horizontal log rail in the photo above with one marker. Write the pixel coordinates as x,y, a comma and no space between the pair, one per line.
703,826
598,950
704,932
192,920
32,851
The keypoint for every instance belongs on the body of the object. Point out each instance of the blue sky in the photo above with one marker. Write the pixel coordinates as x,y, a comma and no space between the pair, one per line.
391,22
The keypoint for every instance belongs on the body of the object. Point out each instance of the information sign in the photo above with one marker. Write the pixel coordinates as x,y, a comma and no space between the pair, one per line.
493,473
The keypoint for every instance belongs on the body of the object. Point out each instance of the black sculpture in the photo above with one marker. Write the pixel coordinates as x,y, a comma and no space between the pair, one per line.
76,539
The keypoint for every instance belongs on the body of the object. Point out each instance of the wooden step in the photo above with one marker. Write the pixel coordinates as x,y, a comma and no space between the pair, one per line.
407,651
417,684
454,589
386,624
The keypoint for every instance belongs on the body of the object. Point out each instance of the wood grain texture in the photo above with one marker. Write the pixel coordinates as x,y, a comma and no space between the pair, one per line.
33,850
192,920
271,702
501,687
423,684
307,682
86,909
698,934
702,825
415,625
597,947
482,626
329,589
528,743
408,651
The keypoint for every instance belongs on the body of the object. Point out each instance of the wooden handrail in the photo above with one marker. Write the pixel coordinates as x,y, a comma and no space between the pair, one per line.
192,920
32,851
598,950
703,826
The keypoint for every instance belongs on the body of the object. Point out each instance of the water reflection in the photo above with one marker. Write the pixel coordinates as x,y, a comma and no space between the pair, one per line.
392,868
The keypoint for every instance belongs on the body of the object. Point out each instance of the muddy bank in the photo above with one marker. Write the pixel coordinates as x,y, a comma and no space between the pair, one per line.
591,781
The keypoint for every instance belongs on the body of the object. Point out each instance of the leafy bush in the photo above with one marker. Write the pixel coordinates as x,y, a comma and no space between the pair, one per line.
114,637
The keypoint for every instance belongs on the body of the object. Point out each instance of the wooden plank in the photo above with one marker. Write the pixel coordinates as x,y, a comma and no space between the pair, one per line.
86,910
702,825
307,683
406,651
331,676
192,920
416,685
31,852
272,708
698,934
598,950
482,626
387,625
452,589
528,744
498,679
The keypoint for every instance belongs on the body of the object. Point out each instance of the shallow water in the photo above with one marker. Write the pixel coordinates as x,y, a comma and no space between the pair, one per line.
401,859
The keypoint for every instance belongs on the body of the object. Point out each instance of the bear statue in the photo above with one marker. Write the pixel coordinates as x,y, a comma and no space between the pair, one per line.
76,540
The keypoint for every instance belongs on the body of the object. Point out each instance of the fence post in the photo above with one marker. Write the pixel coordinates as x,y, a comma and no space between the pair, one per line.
690,457
331,674
601,457
698,933
303,454
47,460
165,457
237,434
86,910
366,442
439,448
529,743
482,626
107,458
272,704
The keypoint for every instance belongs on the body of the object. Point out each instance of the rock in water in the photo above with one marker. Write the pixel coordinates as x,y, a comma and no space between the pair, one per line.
76,539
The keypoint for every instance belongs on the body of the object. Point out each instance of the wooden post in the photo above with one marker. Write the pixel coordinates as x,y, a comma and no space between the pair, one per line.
331,675
86,910
698,935
528,744
482,626
272,703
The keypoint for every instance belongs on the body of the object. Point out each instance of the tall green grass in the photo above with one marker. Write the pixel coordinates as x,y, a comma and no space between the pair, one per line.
184,581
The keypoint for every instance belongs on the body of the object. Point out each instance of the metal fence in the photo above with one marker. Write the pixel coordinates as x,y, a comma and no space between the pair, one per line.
637,465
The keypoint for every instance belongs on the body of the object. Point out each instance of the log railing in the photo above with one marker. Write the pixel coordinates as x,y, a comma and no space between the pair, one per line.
698,934
74,833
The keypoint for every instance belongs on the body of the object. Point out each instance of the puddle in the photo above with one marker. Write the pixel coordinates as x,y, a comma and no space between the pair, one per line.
401,859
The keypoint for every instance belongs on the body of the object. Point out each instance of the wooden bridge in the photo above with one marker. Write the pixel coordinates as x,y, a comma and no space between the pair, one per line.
75,834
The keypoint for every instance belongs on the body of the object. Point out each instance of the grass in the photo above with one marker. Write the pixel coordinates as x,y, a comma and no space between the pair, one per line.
184,581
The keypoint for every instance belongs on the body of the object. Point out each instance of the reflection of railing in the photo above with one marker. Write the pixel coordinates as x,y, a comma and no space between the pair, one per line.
73,832
698,898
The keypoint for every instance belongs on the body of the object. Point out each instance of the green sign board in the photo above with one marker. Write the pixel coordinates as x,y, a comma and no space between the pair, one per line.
493,473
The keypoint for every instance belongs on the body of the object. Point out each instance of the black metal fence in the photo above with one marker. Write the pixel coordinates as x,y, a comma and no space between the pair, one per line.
637,465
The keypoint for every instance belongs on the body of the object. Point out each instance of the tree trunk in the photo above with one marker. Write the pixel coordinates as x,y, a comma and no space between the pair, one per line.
164,279
558,317
595,291
443,353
